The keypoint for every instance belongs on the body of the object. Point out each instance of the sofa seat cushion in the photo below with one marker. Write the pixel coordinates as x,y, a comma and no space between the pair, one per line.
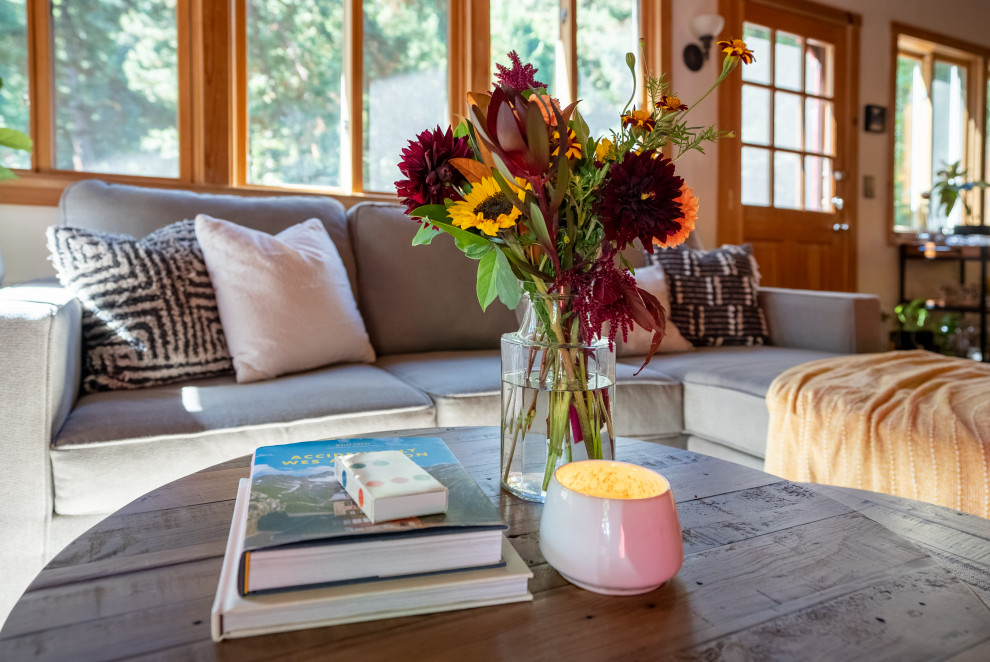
466,389
116,446
725,390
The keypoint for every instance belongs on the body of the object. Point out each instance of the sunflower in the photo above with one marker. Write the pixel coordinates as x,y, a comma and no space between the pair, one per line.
640,118
736,48
485,207
640,200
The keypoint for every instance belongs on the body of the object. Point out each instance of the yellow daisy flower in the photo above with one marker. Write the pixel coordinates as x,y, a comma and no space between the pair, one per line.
485,208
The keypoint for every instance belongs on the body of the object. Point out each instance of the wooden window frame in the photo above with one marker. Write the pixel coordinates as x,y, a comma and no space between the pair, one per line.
212,108
975,59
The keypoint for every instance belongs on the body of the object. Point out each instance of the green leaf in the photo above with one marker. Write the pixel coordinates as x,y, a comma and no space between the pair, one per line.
15,139
463,129
477,251
433,212
495,279
487,279
539,224
509,290
425,234
6,173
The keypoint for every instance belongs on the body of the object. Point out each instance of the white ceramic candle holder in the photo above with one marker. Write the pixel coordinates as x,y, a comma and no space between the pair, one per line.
611,527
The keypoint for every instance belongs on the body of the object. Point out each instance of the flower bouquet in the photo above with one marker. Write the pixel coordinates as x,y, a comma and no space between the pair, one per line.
547,210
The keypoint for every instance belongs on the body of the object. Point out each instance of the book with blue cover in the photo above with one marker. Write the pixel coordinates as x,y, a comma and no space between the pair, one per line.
303,530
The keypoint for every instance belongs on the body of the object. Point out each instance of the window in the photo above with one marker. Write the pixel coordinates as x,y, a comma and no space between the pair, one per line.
939,110
271,94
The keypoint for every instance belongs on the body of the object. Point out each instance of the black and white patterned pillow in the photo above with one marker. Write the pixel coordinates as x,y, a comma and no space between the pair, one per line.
713,295
149,311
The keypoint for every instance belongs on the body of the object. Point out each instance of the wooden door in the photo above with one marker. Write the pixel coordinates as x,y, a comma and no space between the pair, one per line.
789,178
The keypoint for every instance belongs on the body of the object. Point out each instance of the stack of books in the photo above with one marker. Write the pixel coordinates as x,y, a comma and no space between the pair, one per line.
301,553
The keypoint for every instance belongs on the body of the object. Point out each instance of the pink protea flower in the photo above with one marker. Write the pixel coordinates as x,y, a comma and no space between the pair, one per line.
640,200
426,165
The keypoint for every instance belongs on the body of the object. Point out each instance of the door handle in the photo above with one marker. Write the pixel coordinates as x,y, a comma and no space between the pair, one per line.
840,227
837,202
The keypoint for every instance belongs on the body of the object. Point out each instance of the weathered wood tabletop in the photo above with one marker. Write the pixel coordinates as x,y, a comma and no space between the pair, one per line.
772,570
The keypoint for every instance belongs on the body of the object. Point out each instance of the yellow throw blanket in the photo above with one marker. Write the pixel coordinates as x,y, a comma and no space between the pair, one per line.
912,424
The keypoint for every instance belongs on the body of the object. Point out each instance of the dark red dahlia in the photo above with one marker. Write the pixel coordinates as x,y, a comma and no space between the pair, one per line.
520,77
426,165
639,200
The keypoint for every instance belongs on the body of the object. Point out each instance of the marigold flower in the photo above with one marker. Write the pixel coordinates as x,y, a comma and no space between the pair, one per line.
573,146
689,209
485,207
640,118
640,200
426,165
546,103
736,48
670,104
604,151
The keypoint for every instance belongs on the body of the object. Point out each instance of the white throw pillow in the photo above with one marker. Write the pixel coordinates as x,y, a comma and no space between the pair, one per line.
652,279
285,301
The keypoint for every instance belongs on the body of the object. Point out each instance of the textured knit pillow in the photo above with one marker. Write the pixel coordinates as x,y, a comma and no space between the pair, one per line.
713,295
149,312
285,300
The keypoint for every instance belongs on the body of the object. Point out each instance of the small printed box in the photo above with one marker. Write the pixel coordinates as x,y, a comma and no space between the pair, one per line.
388,485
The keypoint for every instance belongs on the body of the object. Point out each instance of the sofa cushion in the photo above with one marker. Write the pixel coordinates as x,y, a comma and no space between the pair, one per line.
139,210
418,298
725,390
285,300
713,295
150,314
637,343
117,445
466,387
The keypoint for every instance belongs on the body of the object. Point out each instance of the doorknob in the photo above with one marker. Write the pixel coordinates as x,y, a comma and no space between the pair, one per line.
840,227
837,202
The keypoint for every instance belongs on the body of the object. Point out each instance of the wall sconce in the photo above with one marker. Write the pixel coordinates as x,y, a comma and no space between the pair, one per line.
705,27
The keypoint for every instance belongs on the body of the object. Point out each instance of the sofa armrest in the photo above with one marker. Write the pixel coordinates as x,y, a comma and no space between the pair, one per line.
40,365
841,322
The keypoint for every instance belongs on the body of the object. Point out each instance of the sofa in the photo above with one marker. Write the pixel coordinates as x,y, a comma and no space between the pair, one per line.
71,459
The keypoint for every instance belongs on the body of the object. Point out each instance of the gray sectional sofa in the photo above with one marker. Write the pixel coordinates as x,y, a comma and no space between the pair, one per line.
69,459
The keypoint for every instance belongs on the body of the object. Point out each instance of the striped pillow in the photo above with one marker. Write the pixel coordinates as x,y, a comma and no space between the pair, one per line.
149,311
713,295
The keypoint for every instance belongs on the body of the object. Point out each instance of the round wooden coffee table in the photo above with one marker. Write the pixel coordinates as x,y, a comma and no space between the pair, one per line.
773,570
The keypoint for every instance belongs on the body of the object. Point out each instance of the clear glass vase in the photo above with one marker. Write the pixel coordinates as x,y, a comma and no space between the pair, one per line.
557,392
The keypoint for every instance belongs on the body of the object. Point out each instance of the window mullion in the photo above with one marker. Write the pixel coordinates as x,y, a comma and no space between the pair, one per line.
567,67
42,113
352,168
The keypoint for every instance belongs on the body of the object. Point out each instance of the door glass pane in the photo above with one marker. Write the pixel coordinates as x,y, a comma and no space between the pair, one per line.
788,51
817,183
912,145
786,180
14,106
294,92
818,126
818,68
755,115
606,31
787,127
405,67
755,188
757,39
531,28
948,124
116,87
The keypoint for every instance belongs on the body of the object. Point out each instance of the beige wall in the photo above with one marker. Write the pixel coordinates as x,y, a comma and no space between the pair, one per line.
22,228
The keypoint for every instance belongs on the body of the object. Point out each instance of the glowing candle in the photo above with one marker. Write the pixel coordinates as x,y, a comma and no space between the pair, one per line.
611,480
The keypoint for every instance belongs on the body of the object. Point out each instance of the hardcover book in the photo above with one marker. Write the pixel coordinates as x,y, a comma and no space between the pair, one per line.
388,485
302,529
234,615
